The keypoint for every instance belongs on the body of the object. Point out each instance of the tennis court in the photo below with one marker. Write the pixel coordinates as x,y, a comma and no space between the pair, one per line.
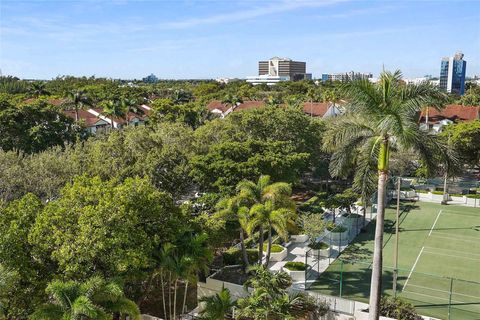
439,261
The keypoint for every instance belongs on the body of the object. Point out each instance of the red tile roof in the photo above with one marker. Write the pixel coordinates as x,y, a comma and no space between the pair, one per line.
316,109
250,105
85,116
217,104
454,112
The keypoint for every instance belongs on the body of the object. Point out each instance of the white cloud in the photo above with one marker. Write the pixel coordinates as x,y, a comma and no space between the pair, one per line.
251,13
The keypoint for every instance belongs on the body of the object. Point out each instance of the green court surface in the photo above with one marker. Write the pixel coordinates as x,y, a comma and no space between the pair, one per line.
439,261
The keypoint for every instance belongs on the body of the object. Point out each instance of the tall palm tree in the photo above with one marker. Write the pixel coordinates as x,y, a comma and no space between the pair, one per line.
78,100
381,117
235,208
113,109
268,216
38,88
261,191
93,299
217,307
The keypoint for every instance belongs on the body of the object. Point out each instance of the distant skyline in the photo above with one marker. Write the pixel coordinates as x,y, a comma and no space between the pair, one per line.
218,39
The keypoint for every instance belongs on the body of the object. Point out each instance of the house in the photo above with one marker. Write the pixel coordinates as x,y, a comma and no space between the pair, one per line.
95,121
434,120
314,109
321,109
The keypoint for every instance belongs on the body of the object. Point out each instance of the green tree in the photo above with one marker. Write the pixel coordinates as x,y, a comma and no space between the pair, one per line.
270,300
78,100
268,201
234,208
232,100
27,270
130,105
217,307
92,299
38,89
34,127
113,110
105,227
465,140
270,216
381,117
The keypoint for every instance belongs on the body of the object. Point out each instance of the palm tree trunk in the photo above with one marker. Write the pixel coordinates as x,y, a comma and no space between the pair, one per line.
77,117
269,245
170,295
185,297
175,299
376,281
244,250
162,283
260,247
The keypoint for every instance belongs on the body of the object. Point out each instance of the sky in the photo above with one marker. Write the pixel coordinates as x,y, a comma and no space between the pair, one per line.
211,39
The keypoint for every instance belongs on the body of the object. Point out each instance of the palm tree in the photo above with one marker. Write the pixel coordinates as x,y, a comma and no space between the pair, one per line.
381,117
38,88
232,100
130,105
93,299
113,109
268,216
235,208
257,193
217,307
195,247
78,100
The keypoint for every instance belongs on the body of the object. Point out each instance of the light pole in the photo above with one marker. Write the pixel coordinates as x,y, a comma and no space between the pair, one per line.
395,258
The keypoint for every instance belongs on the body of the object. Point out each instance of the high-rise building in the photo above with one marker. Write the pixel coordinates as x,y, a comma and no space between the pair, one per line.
452,74
280,69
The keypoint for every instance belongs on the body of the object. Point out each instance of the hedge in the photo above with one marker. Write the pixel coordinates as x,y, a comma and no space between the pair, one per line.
295,266
318,245
275,248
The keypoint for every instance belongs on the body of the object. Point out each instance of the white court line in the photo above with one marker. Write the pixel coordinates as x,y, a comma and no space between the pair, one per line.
462,252
457,294
457,235
408,278
438,215
455,239
453,256
447,299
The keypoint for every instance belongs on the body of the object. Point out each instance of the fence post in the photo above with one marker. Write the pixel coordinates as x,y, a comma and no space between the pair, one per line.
341,277
450,297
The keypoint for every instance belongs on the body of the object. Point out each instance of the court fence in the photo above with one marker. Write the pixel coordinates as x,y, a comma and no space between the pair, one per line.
432,295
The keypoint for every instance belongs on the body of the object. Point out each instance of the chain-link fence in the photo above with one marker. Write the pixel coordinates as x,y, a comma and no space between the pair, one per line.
329,245
435,296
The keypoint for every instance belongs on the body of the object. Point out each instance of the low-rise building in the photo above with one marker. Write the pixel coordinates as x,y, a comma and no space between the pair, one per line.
435,120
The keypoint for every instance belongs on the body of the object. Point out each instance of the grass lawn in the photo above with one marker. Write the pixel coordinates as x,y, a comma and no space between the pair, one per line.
437,243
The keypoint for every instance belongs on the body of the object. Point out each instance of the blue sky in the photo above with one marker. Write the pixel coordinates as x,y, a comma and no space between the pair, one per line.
209,39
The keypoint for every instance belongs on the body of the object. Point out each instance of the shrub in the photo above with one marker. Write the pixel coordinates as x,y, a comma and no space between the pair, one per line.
336,228
318,245
295,266
397,309
275,248
233,256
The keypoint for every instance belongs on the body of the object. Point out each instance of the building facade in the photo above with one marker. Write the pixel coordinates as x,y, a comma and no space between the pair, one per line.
280,69
452,74
347,76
